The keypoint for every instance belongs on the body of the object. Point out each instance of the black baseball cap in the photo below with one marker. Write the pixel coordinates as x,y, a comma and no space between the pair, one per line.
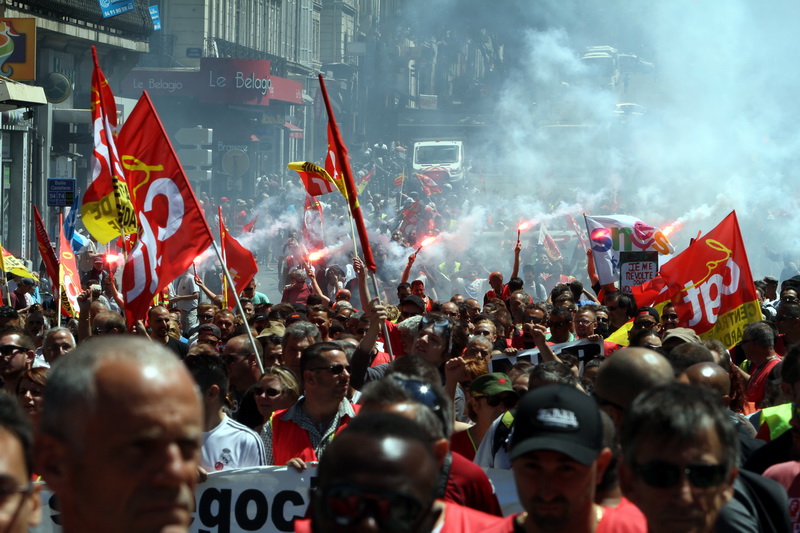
413,299
558,418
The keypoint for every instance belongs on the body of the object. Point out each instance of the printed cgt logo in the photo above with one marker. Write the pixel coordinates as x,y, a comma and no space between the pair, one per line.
705,298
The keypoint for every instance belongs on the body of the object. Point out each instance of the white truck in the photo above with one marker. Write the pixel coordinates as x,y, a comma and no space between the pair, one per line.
442,160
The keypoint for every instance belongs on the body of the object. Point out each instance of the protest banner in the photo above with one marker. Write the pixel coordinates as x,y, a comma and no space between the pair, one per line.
266,499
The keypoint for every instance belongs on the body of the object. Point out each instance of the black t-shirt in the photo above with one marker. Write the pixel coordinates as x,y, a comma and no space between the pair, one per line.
181,349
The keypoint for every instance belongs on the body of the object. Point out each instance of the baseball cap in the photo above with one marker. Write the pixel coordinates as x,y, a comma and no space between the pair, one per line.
275,328
8,312
492,384
684,334
412,299
558,418
648,311
27,281
211,328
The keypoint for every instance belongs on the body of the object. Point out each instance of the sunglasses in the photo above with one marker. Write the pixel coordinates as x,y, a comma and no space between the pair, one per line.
347,505
532,320
423,393
508,401
270,392
672,316
10,349
601,319
554,324
205,317
428,320
663,474
333,369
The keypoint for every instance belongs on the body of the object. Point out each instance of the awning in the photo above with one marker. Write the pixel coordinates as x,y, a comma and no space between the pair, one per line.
294,131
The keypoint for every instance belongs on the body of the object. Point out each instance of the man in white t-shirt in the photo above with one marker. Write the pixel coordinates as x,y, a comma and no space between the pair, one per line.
186,298
226,444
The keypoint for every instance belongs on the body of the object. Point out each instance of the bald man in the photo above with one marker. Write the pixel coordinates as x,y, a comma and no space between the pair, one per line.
625,375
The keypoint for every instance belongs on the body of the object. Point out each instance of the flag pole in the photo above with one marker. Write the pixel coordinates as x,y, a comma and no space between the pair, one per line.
223,259
58,305
8,292
388,343
238,304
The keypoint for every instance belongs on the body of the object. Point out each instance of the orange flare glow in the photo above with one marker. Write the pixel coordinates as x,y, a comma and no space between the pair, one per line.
315,256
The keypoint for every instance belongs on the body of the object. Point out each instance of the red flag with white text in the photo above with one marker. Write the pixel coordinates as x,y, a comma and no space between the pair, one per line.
106,210
710,285
172,227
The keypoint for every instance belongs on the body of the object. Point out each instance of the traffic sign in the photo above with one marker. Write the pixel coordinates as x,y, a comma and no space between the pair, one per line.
195,157
195,136
60,192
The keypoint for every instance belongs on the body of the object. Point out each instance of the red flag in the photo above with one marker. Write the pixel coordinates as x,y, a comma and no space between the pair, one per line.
364,181
250,226
337,154
573,224
240,262
312,223
429,186
549,244
106,210
316,180
398,181
173,230
710,285
46,250
69,277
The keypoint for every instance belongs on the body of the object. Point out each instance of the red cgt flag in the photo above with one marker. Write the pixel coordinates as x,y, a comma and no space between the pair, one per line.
710,285
239,260
172,228
429,186
336,162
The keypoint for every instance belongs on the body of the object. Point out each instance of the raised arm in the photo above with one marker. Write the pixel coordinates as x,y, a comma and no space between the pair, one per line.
517,251
407,270
315,285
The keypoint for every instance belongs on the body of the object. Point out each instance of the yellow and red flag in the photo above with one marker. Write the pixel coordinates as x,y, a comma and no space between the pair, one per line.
240,262
68,276
172,228
316,179
11,265
710,285
107,211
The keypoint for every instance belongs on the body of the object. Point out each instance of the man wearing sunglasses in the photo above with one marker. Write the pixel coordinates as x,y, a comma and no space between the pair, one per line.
679,451
381,474
16,356
300,434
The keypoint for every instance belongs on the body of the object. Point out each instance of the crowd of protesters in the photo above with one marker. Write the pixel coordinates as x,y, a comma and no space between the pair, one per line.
662,432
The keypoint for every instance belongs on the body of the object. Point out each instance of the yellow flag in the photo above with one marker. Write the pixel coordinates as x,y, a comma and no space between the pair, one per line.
11,265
